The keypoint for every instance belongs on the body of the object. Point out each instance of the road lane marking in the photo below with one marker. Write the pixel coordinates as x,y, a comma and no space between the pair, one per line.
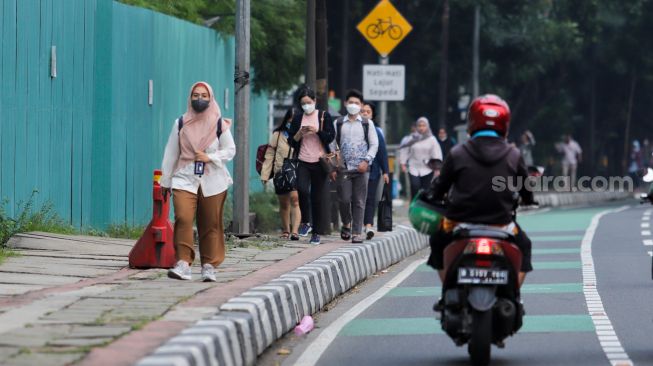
593,298
645,225
646,232
423,326
647,242
557,238
546,251
314,351
433,291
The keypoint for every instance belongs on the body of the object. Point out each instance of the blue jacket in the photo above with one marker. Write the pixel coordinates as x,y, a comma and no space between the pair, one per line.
380,163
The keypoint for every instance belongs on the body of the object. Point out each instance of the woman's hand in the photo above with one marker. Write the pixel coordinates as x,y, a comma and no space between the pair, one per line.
363,166
386,178
403,168
201,156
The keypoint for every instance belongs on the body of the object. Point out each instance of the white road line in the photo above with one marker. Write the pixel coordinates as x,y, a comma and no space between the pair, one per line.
648,242
604,331
645,225
646,232
315,350
650,253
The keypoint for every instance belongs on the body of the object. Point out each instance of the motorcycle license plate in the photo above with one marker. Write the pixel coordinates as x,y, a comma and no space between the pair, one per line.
482,276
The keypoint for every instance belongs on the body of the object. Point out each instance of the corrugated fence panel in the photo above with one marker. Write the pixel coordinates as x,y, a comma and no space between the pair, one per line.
9,116
88,139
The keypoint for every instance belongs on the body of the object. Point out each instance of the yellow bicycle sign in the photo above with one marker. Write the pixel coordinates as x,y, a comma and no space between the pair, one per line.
384,27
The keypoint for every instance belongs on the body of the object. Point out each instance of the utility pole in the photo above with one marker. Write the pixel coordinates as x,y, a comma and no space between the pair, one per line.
442,105
241,81
383,106
321,62
476,42
310,44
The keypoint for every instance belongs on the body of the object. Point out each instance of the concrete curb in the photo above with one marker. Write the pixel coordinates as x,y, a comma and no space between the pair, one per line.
575,198
248,324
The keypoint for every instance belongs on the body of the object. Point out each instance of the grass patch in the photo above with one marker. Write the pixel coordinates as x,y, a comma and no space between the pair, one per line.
7,253
125,231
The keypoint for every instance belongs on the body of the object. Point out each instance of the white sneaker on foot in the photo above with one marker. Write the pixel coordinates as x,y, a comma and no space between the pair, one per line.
208,273
180,271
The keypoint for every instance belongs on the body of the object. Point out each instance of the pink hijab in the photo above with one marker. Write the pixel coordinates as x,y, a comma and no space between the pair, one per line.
200,129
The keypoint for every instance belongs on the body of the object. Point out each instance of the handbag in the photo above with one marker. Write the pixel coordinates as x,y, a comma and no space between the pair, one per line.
328,161
384,218
285,180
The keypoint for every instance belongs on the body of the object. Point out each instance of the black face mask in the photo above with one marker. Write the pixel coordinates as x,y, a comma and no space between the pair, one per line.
199,105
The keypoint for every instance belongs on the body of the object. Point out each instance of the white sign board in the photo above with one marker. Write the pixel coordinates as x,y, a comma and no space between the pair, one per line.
384,82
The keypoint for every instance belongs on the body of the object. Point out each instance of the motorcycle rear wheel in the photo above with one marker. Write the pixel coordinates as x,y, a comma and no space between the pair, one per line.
480,343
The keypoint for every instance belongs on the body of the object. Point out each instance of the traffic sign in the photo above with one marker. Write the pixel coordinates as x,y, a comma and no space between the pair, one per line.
384,82
384,27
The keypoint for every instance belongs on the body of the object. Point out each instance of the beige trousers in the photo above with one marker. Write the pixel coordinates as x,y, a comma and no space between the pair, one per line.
209,212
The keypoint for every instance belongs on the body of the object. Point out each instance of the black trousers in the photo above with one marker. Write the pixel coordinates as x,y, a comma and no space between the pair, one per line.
417,183
310,184
370,201
441,239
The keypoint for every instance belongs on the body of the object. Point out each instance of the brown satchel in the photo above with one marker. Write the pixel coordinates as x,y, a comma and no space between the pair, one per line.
328,161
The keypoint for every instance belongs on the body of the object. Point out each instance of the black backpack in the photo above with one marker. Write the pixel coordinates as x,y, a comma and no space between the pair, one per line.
366,130
218,132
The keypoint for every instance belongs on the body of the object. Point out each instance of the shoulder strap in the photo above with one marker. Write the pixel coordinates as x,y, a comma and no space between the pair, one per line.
181,123
339,122
366,131
274,160
219,130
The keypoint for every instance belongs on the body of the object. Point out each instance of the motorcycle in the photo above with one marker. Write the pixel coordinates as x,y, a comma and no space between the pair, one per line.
480,303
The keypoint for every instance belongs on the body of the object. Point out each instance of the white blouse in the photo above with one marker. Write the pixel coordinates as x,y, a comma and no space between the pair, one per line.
217,178
418,155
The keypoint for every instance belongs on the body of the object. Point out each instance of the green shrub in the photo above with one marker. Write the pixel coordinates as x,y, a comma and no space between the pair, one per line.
266,208
125,231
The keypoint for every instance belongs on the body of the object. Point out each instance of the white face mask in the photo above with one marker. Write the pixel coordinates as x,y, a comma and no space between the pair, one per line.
308,108
353,109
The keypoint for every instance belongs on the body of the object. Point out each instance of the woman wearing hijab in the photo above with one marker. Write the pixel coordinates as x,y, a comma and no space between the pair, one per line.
279,149
416,153
194,168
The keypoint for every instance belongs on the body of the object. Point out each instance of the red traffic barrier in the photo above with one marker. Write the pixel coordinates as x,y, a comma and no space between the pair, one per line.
155,248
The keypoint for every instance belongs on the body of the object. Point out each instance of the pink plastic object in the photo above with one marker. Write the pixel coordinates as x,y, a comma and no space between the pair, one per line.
305,326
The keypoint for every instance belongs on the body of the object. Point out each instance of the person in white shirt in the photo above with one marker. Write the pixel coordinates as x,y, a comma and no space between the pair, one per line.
415,154
572,154
194,168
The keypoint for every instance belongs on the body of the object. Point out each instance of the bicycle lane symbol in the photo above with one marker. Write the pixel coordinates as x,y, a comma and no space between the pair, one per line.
382,27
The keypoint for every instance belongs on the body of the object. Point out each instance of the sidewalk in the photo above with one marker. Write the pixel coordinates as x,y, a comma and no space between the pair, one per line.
65,295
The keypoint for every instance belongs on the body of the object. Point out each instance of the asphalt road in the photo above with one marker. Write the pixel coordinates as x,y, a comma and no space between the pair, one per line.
589,301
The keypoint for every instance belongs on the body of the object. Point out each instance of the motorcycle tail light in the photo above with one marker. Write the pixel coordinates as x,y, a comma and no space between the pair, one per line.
483,247
480,263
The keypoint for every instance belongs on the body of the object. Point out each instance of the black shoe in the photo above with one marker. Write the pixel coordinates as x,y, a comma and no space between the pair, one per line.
294,237
345,233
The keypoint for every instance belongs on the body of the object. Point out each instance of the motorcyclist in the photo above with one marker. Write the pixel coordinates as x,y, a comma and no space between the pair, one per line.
468,179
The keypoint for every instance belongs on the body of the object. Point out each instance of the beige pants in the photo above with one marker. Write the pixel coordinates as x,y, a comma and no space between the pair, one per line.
210,227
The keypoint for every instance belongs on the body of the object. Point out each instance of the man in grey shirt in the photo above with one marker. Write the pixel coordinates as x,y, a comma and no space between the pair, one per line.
357,151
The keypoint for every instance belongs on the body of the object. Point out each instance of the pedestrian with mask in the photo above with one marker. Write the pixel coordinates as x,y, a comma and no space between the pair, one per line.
278,150
446,142
194,169
418,151
311,133
379,170
356,137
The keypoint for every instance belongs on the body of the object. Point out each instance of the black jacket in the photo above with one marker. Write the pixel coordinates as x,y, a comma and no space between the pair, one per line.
326,132
472,174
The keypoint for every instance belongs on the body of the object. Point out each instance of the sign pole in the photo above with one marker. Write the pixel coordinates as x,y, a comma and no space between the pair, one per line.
383,106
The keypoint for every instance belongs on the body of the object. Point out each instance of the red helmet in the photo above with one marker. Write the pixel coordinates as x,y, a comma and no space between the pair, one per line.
488,112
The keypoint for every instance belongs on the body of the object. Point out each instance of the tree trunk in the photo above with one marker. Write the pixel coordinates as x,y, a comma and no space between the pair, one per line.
442,105
629,114
322,68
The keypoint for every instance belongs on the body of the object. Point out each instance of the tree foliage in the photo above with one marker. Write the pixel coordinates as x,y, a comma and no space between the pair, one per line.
277,33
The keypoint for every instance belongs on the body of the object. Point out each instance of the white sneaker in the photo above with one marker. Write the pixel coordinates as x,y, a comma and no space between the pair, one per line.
208,273
181,271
